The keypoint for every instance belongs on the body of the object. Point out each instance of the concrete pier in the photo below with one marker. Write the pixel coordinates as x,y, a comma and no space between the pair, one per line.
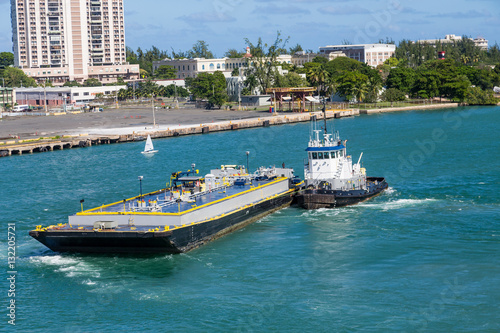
18,147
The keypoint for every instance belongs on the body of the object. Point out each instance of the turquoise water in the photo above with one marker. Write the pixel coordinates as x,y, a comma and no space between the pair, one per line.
421,257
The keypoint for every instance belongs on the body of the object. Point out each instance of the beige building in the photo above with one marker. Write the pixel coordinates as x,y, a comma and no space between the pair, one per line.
192,67
66,40
371,54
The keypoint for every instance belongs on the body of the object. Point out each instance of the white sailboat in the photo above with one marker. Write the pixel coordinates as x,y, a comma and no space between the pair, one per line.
149,149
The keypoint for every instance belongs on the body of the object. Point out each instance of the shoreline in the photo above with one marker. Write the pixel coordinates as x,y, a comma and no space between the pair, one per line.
84,137
411,108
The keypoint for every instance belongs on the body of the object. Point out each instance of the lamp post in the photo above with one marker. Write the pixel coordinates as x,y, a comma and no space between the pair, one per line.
248,153
140,185
153,107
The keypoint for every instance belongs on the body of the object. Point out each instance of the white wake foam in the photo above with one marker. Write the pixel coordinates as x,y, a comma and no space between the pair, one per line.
390,190
398,204
71,267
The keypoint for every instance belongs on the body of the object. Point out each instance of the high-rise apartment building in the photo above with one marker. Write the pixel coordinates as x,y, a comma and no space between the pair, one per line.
66,40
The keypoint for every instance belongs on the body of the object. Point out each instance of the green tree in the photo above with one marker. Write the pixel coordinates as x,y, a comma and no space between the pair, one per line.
295,49
318,76
92,83
392,95
250,84
165,72
352,85
294,80
211,87
373,86
72,84
14,77
131,56
392,62
233,53
46,83
401,78
476,96
262,63
200,50
6,59
427,84
235,72
290,79
319,60
456,87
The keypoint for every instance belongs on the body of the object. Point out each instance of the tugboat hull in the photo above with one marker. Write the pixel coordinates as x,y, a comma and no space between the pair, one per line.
315,198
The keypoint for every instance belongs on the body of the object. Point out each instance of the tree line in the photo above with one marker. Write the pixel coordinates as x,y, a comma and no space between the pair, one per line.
149,89
468,73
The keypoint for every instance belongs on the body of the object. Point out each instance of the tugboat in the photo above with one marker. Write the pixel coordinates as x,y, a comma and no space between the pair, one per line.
331,180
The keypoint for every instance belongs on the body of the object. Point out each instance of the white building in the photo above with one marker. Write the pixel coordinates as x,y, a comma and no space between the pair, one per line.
300,58
371,54
479,41
59,96
66,40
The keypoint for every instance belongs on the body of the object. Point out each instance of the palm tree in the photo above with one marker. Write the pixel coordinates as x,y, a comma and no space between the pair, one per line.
251,83
331,86
373,87
360,90
318,76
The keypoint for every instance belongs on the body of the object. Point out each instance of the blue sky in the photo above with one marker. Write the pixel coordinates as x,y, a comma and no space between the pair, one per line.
224,24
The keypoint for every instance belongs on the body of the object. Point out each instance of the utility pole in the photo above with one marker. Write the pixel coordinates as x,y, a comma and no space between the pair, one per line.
175,93
274,102
116,93
239,94
45,94
3,99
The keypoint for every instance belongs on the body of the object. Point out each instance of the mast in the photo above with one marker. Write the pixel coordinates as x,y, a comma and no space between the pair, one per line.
324,113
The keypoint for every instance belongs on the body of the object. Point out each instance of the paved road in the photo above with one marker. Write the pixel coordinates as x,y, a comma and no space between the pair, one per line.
36,126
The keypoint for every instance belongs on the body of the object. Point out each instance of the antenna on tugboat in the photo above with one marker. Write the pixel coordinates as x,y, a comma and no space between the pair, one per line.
324,113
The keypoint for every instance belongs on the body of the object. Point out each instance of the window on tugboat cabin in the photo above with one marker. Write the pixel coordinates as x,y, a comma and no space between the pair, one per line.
320,156
333,154
315,156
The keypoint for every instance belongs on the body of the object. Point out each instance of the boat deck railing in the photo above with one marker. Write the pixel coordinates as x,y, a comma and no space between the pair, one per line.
158,207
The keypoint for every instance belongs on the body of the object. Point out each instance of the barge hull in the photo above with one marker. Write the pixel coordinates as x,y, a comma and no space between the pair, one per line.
177,240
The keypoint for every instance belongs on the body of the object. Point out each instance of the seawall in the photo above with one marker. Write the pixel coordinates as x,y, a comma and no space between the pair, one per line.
20,147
